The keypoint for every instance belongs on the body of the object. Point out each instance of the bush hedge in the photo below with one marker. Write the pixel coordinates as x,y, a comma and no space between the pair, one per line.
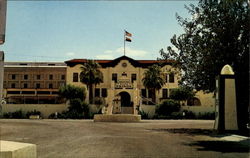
167,107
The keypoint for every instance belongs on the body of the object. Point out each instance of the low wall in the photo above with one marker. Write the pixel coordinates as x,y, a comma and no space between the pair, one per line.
198,109
45,109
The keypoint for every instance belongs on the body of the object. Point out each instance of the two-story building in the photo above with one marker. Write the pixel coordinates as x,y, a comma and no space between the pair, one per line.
122,87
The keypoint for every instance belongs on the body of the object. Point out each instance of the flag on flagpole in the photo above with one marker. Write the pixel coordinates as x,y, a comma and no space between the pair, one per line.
128,39
128,34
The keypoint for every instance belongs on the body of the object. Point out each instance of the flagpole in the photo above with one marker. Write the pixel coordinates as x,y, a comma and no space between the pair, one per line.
124,43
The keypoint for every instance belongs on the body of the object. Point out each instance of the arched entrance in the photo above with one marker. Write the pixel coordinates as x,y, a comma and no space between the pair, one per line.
125,99
126,104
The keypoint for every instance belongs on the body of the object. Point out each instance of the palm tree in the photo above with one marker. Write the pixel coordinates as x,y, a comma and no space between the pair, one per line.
153,80
91,76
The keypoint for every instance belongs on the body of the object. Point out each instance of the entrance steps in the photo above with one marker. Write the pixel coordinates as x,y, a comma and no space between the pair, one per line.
117,118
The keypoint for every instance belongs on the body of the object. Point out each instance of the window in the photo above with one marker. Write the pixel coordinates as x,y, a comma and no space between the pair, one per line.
170,91
171,77
104,92
63,77
97,92
133,77
50,85
38,77
51,77
144,93
25,85
164,93
124,74
166,78
13,85
38,85
13,76
25,77
75,77
114,77
150,93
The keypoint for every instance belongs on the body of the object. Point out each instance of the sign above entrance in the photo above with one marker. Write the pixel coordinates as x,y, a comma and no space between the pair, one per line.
123,84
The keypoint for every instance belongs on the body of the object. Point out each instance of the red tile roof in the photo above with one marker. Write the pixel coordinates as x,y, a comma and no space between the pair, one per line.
105,63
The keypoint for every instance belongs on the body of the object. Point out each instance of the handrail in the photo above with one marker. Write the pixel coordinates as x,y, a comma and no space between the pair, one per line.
148,100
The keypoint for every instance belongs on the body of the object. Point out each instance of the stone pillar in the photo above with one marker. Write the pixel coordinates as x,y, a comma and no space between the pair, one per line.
226,109
1,78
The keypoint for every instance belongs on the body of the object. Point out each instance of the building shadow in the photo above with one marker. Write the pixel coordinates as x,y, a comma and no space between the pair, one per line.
221,146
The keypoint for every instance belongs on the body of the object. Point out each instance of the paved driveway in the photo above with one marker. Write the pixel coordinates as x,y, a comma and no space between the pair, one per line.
148,139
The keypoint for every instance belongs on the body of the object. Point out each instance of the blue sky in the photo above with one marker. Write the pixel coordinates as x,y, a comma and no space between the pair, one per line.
63,30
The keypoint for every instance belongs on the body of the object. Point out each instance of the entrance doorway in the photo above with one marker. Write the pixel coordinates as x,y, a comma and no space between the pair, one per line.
126,104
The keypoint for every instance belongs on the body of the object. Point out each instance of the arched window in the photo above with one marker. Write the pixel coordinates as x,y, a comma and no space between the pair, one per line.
194,102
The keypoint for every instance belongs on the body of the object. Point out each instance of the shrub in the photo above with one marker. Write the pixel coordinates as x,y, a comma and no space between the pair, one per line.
189,115
59,115
73,114
206,116
34,112
76,110
176,115
14,115
7,115
182,93
144,115
167,107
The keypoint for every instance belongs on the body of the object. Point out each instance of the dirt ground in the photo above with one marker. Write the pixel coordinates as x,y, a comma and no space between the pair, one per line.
147,139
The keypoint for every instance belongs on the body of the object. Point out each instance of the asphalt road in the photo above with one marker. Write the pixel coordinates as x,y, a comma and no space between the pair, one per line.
148,139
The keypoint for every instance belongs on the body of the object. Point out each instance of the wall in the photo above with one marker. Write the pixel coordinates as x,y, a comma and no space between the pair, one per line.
45,109
198,109
207,99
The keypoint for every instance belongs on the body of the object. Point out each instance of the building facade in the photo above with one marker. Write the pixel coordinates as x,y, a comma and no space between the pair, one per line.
33,82
35,85
122,87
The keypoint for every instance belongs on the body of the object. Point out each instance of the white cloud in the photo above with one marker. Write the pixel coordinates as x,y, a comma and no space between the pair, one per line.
108,51
105,56
70,54
133,53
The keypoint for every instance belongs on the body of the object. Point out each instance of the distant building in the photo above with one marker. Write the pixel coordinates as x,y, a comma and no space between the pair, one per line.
33,82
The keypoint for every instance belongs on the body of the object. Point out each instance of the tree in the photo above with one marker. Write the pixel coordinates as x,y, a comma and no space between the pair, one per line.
71,92
167,107
216,35
182,94
77,107
153,80
91,76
